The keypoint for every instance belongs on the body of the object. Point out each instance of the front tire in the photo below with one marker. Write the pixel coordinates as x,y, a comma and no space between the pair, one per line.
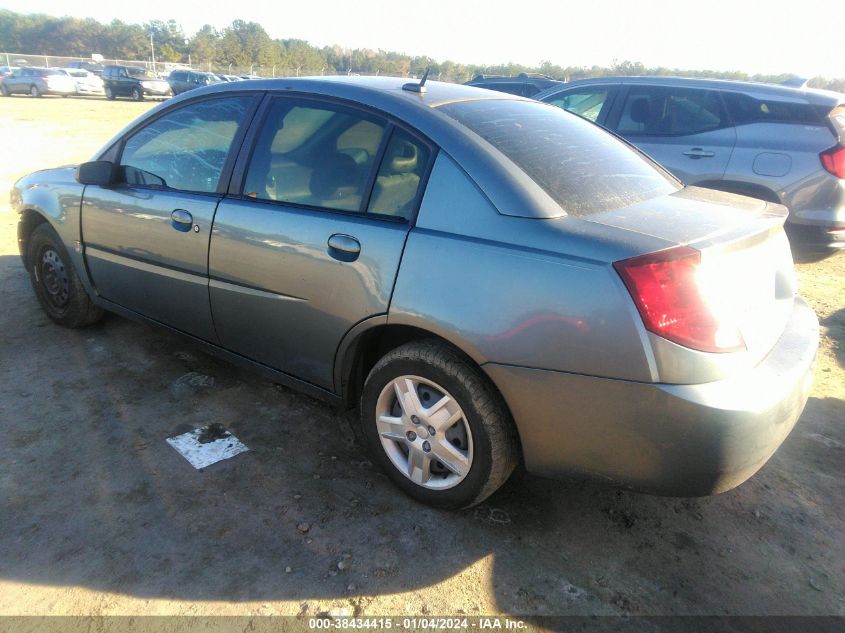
437,426
56,284
137,95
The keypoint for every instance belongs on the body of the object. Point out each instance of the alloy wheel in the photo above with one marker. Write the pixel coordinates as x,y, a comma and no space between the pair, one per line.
424,432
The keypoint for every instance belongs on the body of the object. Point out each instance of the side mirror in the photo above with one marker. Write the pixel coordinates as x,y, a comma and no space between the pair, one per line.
96,172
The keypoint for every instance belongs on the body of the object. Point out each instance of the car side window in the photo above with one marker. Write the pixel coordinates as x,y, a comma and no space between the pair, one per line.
314,154
400,175
661,111
185,149
746,109
586,102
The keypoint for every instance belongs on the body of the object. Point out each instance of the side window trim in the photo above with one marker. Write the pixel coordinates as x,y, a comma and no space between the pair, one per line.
226,173
251,139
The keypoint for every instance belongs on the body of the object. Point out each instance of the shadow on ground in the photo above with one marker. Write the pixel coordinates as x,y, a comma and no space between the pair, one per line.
92,496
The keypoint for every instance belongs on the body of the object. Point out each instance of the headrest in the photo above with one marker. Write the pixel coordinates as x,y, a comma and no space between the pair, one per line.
641,110
402,157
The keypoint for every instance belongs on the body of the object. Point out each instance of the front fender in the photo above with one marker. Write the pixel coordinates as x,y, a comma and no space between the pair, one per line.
54,196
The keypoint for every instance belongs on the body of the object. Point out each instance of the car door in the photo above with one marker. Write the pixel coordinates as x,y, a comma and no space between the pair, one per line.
590,102
146,236
309,244
15,82
684,129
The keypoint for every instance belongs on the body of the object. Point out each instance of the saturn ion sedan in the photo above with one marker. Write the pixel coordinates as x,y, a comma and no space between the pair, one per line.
487,278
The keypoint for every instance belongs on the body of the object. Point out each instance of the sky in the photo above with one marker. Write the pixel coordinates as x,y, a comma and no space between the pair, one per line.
755,37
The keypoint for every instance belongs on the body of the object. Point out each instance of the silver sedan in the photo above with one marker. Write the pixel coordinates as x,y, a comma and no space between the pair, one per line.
486,278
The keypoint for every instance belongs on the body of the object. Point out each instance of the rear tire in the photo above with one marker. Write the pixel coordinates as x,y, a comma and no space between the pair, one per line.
5,90
57,286
449,411
35,91
110,94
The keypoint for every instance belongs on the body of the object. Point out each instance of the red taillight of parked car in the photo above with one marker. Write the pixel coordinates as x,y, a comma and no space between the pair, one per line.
676,302
833,160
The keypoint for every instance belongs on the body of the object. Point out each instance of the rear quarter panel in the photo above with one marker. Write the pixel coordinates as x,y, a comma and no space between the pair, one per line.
784,158
517,291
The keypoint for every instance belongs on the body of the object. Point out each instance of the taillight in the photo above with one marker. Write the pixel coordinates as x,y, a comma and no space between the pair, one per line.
833,160
679,301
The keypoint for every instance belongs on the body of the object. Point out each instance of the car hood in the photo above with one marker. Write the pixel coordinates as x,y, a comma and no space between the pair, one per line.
694,215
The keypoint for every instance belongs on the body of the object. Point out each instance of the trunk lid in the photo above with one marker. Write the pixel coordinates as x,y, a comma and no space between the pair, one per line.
746,272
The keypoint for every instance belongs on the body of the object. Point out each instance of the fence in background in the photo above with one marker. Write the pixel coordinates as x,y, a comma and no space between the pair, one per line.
163,68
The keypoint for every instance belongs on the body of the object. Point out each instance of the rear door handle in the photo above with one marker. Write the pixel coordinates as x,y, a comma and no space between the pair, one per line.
344,248
697,152
181,220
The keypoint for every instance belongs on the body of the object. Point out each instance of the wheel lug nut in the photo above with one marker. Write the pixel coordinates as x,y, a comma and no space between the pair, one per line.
415,419
426,447
431,430
411,436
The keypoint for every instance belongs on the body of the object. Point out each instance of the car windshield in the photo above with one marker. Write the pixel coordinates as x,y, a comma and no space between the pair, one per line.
583,168
77,73
49,71
140,73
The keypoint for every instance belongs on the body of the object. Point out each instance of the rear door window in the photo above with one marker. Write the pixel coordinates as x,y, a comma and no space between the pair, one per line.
314,154
664,111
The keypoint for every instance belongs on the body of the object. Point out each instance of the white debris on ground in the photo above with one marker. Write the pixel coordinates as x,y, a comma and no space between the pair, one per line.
207,445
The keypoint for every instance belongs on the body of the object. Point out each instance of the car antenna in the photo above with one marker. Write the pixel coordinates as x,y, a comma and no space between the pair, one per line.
420,87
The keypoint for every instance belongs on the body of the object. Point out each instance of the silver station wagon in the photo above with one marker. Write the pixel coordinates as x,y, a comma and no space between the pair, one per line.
488,278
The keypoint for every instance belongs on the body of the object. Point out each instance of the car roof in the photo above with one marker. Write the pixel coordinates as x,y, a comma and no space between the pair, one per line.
754,89
369,90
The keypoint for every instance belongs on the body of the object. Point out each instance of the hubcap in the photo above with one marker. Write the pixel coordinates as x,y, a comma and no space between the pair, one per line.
424,432
54,278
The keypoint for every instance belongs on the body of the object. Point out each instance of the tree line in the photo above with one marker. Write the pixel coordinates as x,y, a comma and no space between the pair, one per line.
246,44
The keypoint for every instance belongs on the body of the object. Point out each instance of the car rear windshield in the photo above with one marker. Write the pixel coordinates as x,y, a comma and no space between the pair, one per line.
581,166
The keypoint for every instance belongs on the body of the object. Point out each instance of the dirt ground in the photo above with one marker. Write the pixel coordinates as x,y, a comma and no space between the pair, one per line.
100,516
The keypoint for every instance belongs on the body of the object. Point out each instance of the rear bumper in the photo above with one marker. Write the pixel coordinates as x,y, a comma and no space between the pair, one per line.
678,440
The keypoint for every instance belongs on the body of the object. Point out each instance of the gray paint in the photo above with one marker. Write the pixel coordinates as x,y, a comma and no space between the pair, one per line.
533,300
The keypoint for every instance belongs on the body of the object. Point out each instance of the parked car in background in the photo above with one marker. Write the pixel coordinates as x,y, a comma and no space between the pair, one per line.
522,85
87,83
770,142
229,78
90,66
183,80
5,71
133,82
36,81
584,312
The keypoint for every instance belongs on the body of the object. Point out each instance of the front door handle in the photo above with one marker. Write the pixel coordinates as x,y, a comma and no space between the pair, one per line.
181,220
698,152
344,248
